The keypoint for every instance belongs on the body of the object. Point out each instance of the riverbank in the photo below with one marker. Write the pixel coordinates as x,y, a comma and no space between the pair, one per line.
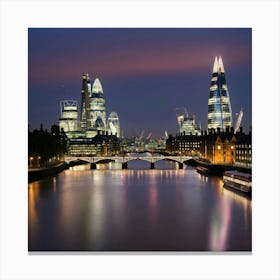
218,169
36,174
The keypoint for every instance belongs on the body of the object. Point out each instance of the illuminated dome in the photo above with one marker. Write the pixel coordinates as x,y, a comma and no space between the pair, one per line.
97,87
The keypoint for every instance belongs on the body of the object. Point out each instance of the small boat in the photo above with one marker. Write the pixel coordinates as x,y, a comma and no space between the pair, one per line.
203,170
238,180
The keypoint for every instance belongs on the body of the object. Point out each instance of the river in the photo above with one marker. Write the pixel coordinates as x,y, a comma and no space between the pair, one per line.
138,209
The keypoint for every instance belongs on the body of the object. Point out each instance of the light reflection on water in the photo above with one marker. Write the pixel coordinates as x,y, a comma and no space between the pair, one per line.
122,210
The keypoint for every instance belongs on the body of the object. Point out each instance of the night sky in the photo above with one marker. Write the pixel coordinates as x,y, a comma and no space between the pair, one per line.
146,73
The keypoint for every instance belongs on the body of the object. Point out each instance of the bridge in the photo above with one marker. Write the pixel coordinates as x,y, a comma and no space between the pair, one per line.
125,159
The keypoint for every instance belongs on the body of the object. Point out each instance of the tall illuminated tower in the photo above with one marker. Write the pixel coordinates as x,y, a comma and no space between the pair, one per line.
97,107
219,108
85,102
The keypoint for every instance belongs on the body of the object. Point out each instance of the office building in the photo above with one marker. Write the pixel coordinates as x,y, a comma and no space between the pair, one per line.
219,108
69,116
100,145
97,111
85,102
244,150
113,125
187,125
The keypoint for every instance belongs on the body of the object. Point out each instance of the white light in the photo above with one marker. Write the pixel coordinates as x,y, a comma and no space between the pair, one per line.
97,87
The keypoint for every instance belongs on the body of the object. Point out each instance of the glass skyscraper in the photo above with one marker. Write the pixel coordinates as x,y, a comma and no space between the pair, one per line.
86,93
97,107
92,119
219,108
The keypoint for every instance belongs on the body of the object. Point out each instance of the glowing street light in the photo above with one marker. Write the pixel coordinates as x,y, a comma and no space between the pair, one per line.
30,161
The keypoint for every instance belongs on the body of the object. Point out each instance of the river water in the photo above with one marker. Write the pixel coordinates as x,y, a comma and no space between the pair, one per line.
138,209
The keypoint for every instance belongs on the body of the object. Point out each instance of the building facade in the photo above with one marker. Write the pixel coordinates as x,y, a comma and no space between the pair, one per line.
244,150
69,116
100,145
187,125
113,125
184,144
85,102
218,147
92,117
219,107
97,107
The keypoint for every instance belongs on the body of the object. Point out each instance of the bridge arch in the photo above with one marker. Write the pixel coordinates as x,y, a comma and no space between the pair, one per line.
138,158
168,159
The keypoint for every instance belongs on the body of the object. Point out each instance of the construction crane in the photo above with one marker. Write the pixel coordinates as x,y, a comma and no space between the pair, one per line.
141,134
238,121
149,136
180,109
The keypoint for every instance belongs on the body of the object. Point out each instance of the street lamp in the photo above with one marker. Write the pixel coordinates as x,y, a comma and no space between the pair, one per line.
38,160
30,161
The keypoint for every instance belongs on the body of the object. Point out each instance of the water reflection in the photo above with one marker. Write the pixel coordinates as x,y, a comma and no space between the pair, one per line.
243,200
122,210
80,167
219,226
153,197
33,199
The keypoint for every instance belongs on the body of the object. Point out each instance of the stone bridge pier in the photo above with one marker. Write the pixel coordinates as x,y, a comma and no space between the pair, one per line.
92,165
124,165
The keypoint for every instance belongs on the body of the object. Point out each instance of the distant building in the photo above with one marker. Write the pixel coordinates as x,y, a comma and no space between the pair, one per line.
85,102
97,107
113,125
187,125
218,147
219,107
100,145
244,150
69,116
184,144
92,114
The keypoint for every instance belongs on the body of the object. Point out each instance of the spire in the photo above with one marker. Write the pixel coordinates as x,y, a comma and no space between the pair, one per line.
215,67
97,87
221,65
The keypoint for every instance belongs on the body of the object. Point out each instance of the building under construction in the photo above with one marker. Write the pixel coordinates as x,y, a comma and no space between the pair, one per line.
187,124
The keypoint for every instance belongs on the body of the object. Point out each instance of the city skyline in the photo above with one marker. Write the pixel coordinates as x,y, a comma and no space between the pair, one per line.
145,73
